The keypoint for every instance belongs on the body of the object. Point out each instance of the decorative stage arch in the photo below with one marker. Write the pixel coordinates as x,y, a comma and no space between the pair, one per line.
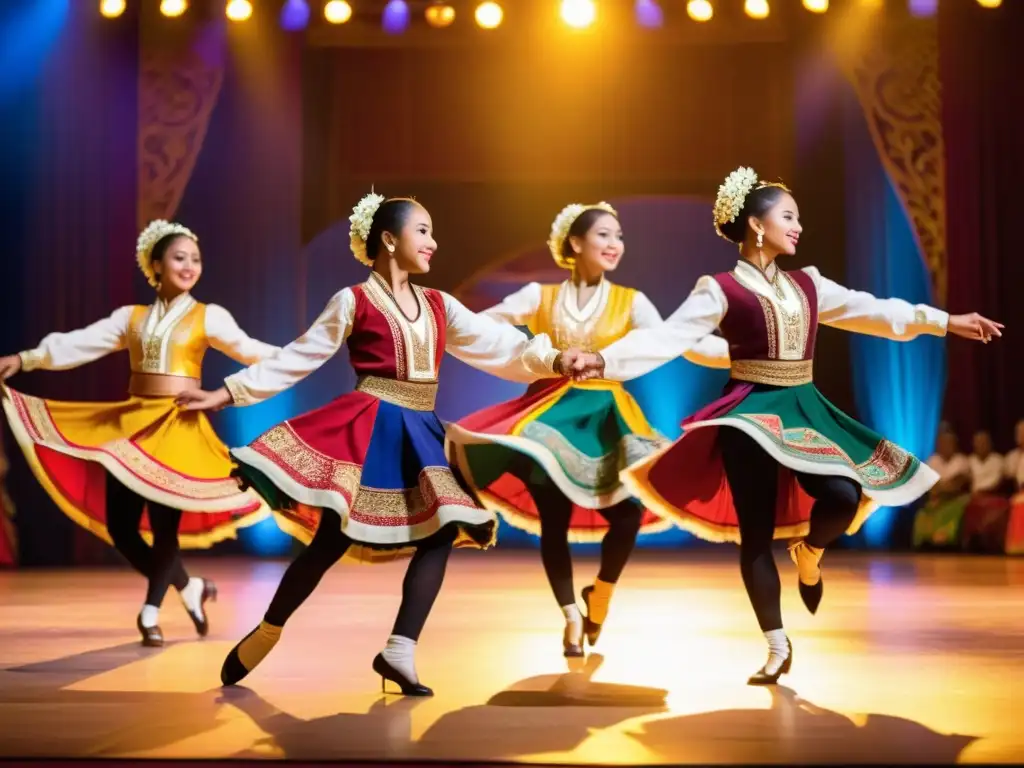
896,76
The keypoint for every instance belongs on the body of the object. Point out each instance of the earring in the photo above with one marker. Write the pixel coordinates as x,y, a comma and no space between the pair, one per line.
391,248
760,239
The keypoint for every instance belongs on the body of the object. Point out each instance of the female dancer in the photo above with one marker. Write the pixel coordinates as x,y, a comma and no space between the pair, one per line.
549,461
772,457
104,463
366,475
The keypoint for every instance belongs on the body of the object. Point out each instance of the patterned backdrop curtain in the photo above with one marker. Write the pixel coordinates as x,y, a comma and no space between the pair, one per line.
895,231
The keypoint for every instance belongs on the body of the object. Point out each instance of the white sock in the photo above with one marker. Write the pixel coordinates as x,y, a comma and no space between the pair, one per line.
573,624
399,654
150,616
192,595
778,650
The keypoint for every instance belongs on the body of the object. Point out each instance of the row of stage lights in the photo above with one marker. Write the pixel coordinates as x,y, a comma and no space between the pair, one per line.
489,15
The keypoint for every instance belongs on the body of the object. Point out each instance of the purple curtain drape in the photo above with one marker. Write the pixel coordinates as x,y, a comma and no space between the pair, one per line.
981,121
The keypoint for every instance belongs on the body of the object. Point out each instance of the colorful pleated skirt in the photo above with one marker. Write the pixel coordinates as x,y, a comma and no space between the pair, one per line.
376,457
578,435
798,427
165,455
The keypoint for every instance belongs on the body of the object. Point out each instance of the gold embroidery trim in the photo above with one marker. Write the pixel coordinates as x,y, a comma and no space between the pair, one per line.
771,324
777,373
414,395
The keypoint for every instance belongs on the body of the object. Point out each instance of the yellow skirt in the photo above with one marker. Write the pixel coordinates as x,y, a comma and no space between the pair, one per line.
165,455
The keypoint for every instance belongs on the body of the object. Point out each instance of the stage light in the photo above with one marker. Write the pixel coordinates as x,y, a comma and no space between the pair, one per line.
489,15
395,17
756,9
990,3
873,4
111,8
700,10
295,15
440,15
579,14
816,6
648,14
238,10
923,8
337,12
172,8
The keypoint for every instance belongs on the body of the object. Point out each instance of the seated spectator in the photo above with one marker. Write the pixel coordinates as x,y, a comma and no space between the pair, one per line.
1013,467
937,523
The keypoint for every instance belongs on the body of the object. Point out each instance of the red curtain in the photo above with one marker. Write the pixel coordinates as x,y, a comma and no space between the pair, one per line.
981,115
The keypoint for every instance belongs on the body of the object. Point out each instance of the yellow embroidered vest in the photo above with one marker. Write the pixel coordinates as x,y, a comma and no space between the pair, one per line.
592,335
174,346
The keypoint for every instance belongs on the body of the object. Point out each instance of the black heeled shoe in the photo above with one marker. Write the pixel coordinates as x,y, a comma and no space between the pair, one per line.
200,621
387,672
591,629
761,677
570,649
233,671
811,595
152,637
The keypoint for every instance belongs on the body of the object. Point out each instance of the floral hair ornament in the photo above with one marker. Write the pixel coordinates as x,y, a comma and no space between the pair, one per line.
732,195
361,222
154,232
563,223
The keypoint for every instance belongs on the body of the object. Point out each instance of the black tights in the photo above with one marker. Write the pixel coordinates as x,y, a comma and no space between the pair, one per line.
555,511
423,577
160,564
753,477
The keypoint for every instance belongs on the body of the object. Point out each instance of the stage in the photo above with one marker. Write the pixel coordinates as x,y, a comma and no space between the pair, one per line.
911,659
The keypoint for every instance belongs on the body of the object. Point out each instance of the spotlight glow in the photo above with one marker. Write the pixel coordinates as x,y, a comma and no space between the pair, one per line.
756,9
111,8
238,10
990,3
648,14
816,6
440,15
579,14
924,8
295,15
700,10
489,15
337,12
395,17
173,8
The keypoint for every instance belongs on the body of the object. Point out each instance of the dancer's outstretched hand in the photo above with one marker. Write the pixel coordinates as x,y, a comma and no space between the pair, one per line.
201,400
975,327
9,366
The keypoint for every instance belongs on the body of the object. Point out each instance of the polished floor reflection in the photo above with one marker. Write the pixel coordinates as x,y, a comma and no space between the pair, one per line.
911,659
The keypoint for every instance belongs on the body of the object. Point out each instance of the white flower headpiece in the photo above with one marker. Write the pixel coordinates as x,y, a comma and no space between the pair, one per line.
155,232
362,220
732,195
563,223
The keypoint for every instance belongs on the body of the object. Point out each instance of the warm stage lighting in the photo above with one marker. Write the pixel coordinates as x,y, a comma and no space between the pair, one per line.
489,15
756,9
990,3
238,10
579,14
111,8
816,6
337,12
173,8
700,10
440,15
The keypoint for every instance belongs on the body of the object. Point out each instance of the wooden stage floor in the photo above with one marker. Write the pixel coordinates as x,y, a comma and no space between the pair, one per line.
911,659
